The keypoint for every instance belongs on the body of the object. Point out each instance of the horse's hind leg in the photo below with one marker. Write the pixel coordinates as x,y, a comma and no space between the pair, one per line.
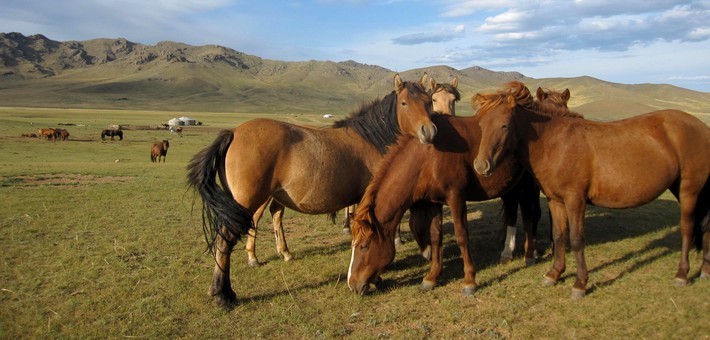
277,213
349,212
221,284
689,201
510,216
251,237
531,212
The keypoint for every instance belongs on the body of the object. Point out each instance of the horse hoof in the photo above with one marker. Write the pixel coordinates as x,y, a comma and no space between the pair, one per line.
679,282
529,262
427,286
287,256
578,294
548,282
254,263
505,260
398,243
469,291
347,231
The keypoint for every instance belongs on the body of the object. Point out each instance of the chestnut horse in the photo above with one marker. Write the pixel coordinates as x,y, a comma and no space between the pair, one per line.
425,176
112,133
159,150
620,164
310,170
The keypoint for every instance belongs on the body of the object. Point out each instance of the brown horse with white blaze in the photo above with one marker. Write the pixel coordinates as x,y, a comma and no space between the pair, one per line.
620,164
301,168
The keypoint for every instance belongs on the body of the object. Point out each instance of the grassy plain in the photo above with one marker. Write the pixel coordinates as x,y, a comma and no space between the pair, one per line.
98,242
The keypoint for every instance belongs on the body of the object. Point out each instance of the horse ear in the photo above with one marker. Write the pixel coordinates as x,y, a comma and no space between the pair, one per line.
423,80
398,83
476,100
565,95
540,94
455,82
510,99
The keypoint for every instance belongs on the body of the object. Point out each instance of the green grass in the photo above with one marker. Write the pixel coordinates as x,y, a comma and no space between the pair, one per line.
94,248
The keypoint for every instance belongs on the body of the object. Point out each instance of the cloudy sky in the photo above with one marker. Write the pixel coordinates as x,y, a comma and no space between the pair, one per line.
624,41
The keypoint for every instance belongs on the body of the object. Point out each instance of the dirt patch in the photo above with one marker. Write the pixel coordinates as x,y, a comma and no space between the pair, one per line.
60,180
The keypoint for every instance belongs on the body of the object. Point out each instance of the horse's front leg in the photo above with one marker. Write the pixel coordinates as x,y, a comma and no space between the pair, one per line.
510,216
251,237
277,213
559,236
221,284
531,212
425,225
458,214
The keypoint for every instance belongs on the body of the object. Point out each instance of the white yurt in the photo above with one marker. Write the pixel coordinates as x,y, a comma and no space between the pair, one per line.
176,122
188,121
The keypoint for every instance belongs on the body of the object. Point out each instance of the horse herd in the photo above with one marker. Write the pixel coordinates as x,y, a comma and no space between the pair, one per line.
158,151
408,151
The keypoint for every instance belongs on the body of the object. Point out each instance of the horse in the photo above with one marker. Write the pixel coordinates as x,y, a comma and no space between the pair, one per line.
112,133
48,133
159,150
175,129
423,177
62,134
296,167
619,164
531,190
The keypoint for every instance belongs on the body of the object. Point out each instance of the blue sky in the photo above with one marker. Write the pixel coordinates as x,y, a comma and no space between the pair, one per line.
629,41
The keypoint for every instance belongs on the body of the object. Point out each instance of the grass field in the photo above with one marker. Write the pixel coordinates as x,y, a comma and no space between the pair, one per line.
98,242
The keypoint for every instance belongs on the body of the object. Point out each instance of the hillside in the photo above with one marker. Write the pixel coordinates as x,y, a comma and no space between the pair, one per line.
119,74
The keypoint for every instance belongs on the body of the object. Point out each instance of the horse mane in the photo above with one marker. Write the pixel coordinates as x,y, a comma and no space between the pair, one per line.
523,98
366,224
376,122
448,88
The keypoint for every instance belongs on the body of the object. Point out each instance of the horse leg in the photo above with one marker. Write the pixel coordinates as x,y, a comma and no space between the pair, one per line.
688,201
531,212
251,237
559,236
421,220
430,220
458,214
277,213
575,213
510,216
349,211
221,284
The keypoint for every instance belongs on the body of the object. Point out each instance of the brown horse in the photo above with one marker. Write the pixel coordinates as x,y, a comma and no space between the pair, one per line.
62,134
112,133
312,171
422,177
159,150
531,191
48,134
619,164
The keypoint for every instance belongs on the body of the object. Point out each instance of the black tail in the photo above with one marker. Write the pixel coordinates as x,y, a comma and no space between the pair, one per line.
701,216
219,209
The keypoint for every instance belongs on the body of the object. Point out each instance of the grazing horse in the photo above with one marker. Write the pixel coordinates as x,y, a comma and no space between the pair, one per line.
620,164
62,134
112,133
309,170
159,150
412,175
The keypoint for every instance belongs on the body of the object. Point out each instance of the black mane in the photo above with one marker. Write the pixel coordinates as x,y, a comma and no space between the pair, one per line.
376,122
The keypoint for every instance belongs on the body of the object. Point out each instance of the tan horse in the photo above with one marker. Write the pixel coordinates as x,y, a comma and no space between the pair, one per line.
620,164
309,170
48,134
159,150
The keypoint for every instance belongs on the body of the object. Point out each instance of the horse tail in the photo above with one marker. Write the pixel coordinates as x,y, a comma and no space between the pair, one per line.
701,216
220,212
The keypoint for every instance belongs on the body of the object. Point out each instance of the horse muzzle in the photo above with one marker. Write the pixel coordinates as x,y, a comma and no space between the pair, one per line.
483,167
427,132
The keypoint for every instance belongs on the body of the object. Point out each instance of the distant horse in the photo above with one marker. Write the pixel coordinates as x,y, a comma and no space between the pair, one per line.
62,134
111,133
620,164
436,174
175,129
310,170
159,150
48,134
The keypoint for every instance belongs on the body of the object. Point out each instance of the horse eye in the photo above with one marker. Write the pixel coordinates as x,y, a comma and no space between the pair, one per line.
504,127
404,103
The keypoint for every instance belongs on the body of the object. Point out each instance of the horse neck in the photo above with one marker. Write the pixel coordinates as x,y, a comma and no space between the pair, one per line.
375,123
534,132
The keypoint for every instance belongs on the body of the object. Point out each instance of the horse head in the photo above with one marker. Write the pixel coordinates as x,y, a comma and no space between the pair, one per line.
372,251
413,110
444,96
551,97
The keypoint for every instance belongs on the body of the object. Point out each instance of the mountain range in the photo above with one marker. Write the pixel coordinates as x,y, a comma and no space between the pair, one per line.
119,74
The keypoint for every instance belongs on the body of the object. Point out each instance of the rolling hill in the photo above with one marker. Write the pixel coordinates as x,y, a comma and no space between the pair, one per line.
119,74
